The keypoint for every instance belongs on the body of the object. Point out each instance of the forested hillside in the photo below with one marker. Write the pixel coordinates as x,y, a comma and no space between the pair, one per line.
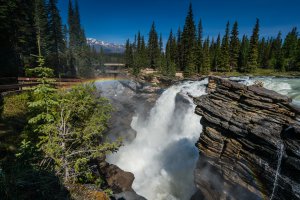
34,28
190,52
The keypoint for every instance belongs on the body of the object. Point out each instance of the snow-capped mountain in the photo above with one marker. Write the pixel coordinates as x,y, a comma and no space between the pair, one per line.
107,46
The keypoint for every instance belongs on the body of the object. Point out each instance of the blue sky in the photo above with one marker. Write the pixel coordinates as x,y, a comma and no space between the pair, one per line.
117,20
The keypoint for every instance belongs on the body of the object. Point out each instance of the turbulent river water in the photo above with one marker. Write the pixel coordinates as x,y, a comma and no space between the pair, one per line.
163,155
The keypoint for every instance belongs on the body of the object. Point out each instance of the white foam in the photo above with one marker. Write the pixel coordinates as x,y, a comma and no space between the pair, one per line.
163,155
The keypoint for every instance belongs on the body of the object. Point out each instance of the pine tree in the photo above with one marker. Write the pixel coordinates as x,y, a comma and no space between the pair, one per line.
179,64
79,51
18,37
217,60
225,52
289,48
153,48
128,55
278,59
41,26
253,51
169,68
212,47
297,62
261,50
188,42
206,58
143,53
243,55
56,38
198,52
234,46
265,62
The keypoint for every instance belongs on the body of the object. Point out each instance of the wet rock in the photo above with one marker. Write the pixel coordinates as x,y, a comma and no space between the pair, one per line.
117,179
128,196
244,128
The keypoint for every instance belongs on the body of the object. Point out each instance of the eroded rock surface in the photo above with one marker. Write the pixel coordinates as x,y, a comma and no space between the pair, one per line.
250,144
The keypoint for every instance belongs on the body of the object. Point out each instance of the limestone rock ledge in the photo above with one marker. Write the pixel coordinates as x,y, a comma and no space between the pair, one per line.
250,144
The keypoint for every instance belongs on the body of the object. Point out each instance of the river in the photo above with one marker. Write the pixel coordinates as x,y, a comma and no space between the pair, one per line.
163,155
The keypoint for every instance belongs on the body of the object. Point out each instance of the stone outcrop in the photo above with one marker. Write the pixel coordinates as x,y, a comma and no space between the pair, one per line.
117,179
250,144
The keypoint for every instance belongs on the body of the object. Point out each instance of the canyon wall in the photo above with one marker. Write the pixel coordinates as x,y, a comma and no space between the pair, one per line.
250,144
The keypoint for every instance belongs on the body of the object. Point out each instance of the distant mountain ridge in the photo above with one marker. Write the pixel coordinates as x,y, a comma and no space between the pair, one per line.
107,46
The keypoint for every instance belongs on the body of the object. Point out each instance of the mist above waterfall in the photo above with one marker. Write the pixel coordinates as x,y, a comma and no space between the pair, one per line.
163,155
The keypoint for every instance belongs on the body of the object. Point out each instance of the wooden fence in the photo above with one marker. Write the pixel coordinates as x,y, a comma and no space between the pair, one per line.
25,83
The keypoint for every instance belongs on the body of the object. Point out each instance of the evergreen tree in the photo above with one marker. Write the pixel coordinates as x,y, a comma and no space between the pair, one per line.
206,58
41,26
278,60
225,51
234,46
79,52
154,52
297,62
212,47
179,64
261,50
169,68
289,48
253,50
243,55
128,55
265,62
143,53
199,53
56,38
17,37
217,60
188,42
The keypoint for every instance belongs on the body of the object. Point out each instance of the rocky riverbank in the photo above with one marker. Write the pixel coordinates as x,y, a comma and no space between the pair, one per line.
250,144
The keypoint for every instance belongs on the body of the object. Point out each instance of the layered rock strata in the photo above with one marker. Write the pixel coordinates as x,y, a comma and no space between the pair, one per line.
250,144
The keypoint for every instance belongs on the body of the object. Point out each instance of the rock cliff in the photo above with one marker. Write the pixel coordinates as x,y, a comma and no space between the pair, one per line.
250,144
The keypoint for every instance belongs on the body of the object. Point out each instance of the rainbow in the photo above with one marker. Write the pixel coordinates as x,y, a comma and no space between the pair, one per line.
107,79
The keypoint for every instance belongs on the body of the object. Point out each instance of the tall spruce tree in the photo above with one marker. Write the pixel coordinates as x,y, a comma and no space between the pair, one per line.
289,48
217,60
297,62
56,39
234,46
199,52
188,42
225,51
253,51
18,37
265,61
243,55
261,50
278,59
206,58
179,64
154,52
42,28
128,55
143,53
79,51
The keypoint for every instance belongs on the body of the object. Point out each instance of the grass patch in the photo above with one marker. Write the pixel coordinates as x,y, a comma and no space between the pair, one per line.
15,106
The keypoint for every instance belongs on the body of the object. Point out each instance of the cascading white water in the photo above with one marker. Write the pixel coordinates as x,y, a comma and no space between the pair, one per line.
284,86
163,155
280,154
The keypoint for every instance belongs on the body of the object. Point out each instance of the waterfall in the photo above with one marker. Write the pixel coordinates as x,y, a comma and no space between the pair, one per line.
280,154
163,155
